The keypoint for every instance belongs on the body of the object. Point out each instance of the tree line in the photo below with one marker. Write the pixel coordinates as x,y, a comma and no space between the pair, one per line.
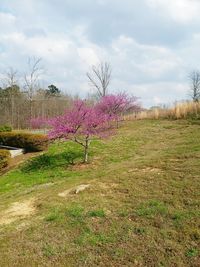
22,98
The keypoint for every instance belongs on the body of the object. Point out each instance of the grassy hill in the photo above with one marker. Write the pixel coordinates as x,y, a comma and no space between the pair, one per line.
142,207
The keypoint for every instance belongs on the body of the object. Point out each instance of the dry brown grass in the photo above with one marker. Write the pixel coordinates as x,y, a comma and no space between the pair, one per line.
182,110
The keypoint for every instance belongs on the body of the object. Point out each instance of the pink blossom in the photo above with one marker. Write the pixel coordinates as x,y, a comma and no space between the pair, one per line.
117,105
79,124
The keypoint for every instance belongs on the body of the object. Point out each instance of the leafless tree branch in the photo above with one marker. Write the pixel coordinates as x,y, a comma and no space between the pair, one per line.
100,78
194,78
31,78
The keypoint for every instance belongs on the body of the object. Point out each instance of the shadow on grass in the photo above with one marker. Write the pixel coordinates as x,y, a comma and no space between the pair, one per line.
48,161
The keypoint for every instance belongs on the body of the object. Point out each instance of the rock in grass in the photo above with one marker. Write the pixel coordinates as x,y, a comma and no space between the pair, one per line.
81,188
74,190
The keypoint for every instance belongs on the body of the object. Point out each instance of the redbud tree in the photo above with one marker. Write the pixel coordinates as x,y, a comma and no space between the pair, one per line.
80,124
117,105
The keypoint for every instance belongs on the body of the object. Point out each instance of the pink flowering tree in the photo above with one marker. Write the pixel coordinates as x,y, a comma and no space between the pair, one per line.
80,124
117,105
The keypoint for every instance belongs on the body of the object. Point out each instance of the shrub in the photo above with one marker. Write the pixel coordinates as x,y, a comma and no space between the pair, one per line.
4,158
5,128
29,142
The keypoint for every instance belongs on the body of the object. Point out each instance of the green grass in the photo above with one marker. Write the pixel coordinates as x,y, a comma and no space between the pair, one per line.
142,208
96,213
151,209
192,253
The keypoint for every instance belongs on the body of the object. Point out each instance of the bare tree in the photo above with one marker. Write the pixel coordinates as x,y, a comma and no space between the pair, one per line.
10,83
194,78
100,77
11,78
31,79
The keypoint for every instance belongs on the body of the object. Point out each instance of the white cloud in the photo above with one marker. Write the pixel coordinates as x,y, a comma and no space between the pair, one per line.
154,93
7,21
149,60
154,68
88,55
135,65
180,10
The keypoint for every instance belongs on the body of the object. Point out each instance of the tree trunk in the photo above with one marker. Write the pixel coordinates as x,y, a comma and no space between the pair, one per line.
86,150
117,123
31,113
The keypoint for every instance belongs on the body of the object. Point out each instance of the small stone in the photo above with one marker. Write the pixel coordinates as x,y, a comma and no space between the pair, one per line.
81,188
74,190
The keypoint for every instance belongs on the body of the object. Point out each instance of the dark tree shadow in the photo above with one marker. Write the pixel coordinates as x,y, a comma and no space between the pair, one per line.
47,161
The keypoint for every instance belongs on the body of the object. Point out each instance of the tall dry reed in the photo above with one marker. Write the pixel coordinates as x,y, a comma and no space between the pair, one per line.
184,110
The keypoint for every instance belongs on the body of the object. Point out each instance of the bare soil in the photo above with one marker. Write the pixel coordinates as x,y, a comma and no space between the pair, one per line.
17,210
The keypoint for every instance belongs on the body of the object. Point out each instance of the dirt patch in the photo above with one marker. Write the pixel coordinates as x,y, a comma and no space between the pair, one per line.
80,166
83,166
17,210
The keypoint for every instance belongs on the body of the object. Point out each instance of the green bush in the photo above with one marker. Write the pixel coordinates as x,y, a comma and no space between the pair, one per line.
5,128
4,158
28,141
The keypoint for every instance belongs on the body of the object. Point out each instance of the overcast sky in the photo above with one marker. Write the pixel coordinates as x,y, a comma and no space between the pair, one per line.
152,45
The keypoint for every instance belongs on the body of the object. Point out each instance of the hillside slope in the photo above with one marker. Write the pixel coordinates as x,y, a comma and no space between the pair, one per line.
142,207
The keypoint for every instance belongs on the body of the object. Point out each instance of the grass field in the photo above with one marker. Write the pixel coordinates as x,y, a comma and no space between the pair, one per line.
142,207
